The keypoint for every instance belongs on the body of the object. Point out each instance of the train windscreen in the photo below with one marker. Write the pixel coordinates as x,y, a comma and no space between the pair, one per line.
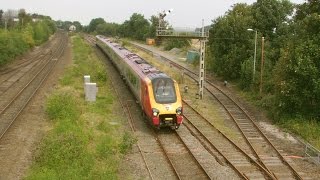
164,91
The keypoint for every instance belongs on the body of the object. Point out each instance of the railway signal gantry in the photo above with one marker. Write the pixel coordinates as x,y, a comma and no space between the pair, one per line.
163,32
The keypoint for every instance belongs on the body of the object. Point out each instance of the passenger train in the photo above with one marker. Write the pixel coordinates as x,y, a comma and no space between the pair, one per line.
158,94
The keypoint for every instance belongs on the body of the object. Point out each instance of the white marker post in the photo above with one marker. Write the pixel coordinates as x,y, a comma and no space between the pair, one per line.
91,91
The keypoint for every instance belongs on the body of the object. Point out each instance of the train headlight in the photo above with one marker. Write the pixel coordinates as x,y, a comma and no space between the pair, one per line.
179,110
155,112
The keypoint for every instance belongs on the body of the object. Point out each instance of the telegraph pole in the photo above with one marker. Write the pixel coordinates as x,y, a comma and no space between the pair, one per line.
255,56
5,25
262,64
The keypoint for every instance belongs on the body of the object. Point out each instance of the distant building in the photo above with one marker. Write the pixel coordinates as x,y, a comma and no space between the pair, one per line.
35,19
72,28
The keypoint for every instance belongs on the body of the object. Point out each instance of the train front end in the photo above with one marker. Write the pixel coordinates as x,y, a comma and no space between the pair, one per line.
166,103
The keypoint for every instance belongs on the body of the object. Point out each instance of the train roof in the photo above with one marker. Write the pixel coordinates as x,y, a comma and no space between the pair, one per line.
138,64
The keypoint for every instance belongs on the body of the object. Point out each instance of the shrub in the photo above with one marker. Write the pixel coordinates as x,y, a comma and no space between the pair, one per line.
62,106
127,142
12,44
16,42
176,43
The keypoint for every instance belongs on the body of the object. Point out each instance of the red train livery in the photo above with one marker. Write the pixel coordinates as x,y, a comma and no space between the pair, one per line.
157,93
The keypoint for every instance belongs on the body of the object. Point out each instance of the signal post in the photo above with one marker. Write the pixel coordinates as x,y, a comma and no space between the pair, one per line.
162,32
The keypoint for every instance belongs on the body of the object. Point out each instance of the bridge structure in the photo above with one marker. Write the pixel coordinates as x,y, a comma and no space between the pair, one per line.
202,36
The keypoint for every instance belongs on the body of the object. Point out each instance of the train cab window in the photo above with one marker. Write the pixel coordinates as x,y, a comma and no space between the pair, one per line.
164,91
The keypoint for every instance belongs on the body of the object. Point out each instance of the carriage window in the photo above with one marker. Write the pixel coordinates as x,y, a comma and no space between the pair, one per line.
164,91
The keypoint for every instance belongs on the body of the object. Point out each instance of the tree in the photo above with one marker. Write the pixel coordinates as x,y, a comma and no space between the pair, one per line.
24,18
108,29
27,34
65,25
269,14
8,17
230,42
297,79
22,15
297,73
94,23
18,39
154,25
176,43
136,27
307,8
78,25
42,30
1,19
124,29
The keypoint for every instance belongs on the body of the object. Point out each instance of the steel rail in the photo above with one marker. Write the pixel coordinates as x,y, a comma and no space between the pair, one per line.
27,61
194,158
167,156
295,173
229,140
37,63
159,142
130,119
33,93
27,85
162,146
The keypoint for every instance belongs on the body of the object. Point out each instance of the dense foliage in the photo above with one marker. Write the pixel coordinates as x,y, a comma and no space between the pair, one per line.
297,77
291,77
65,25
229,42
175,43
17,38
137,27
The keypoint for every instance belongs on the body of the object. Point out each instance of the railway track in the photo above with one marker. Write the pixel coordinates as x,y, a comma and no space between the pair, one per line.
19,76
14,101
217,142
161,146
29,59
125,99
180,156
266,153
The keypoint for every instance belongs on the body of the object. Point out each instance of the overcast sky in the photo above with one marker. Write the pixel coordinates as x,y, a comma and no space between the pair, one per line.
186,13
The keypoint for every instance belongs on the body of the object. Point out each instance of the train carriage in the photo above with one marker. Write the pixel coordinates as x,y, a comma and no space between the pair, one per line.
157,93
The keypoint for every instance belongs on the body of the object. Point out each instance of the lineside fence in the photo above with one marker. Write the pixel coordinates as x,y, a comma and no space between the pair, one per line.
312,153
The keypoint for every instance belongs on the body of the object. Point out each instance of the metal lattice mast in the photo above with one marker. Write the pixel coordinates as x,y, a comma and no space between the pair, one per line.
202,64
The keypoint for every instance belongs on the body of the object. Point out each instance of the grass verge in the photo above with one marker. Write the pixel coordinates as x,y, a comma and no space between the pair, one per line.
85,142
305,128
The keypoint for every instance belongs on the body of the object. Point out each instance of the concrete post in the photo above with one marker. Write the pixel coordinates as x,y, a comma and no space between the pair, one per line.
86,78
90,91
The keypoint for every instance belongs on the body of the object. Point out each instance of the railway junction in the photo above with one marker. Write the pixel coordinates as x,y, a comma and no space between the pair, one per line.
263,156
221,137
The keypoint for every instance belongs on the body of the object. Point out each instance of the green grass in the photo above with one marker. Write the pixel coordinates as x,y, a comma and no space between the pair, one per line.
306,128
83,143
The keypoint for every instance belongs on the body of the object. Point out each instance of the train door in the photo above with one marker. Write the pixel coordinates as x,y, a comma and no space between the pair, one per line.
145,99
